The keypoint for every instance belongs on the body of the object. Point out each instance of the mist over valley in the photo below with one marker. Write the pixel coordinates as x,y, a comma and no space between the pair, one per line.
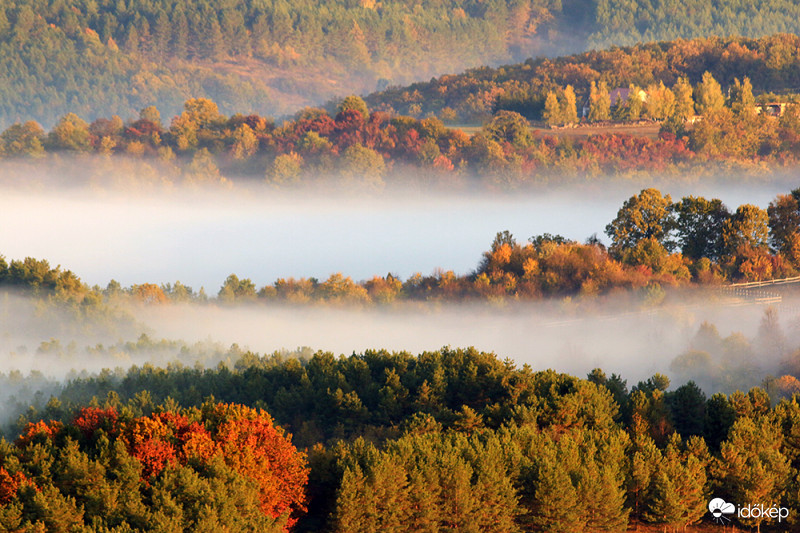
199,237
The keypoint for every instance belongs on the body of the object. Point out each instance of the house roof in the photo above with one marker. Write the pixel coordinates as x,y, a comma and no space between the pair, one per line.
618,95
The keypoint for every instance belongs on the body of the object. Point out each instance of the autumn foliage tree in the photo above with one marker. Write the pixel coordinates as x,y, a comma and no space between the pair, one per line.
223,466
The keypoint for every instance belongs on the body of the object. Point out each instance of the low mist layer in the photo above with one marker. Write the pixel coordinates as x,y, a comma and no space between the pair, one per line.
201,237
563,335
634,344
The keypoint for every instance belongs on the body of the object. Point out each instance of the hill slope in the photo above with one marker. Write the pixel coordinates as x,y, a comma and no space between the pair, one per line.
772,63
272,57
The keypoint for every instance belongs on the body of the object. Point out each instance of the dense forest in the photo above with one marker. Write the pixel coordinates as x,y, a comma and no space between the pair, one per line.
106,56
454,438
770,62
115,57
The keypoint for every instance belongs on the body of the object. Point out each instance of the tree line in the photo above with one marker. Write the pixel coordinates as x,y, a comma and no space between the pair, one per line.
362,150
655,244
477,94
449,438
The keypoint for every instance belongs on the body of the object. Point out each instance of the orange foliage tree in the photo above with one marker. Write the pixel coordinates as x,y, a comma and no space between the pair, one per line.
245,439
253,446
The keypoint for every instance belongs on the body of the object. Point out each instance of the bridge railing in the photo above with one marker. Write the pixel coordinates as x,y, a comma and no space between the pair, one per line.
782,281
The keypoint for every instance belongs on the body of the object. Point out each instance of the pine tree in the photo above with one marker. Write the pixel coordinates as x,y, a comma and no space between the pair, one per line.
424,497
686,468
664,505
644,464
390,492
132,41
556,505
601,486
751,467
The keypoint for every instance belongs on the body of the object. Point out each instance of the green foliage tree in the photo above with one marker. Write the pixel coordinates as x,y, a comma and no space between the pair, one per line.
748,226
462,481
511,127
362,163
70,134
684,102
664,502
235,289
354,103
642,216
720,416
687,405
751,467
552,110
699,225
569,106
23,140
660,103
203,169
631,109
245,142
286,169
784,222
556,503
151,114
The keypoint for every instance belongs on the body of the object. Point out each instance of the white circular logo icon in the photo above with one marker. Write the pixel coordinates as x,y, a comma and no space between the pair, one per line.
719,507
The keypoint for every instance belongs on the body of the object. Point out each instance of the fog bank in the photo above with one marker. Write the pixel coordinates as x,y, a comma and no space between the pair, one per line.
201,237
635,344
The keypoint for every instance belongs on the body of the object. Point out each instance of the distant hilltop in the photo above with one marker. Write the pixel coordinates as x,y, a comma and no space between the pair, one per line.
273,57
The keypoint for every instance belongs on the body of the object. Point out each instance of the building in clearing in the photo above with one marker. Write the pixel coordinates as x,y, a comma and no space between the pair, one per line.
772,109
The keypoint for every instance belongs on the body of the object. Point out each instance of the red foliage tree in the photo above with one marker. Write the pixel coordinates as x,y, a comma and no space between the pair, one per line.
150,441
38,432
90,419
9,485
253,446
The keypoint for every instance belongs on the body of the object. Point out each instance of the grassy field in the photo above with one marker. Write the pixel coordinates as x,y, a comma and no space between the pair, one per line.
638,130
649,130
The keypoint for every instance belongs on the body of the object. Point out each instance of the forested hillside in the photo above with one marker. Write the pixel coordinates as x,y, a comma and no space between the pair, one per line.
97,58
447,438
453,438
116,57
696,131
772,63
624,23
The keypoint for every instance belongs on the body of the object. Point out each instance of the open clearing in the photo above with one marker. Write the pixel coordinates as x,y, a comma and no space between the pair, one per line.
649,130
